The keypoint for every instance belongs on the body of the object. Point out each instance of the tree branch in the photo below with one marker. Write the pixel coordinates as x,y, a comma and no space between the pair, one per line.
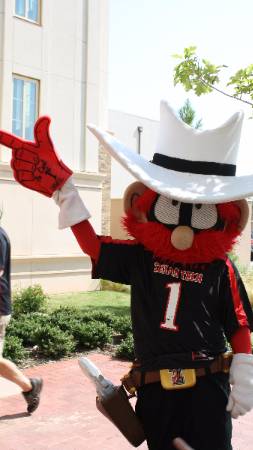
224,93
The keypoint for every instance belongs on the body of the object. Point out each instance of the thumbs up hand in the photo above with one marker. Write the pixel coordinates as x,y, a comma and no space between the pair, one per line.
36,165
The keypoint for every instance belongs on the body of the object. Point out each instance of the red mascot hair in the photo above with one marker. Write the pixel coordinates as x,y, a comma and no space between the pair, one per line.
208,245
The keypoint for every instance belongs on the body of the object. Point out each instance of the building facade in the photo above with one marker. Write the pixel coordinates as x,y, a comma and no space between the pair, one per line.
53,61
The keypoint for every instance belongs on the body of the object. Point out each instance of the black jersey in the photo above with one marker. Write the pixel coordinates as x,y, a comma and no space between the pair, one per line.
180,313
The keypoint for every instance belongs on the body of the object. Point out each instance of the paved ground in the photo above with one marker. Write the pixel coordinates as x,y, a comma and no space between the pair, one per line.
67,418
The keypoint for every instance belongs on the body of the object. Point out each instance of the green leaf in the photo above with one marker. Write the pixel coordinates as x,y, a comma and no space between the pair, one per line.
177,56
202,76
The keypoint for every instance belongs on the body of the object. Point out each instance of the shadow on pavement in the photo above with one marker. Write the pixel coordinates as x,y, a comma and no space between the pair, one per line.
14,416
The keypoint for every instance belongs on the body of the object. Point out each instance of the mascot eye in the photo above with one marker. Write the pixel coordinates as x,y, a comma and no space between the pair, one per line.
166,210
204,216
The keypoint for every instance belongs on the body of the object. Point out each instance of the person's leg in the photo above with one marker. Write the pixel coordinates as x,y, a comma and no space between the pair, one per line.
209,424
10,371
161,414
198,415
31,387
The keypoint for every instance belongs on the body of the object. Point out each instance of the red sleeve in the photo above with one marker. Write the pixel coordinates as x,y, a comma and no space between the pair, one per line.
240,341
87,239
238,294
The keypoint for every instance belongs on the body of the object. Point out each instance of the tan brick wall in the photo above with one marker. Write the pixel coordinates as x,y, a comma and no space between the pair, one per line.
104,167
117,232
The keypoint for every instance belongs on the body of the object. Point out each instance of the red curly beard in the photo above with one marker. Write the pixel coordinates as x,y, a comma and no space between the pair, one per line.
208,245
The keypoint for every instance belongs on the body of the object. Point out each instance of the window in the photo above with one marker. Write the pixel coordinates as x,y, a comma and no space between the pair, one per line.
25,106
28,9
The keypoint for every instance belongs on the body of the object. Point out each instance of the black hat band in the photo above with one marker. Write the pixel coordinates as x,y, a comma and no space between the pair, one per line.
198,167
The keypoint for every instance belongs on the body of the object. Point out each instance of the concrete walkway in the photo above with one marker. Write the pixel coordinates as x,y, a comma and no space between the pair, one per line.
67,418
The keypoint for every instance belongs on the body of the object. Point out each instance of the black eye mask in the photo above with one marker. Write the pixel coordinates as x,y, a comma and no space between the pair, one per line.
173,213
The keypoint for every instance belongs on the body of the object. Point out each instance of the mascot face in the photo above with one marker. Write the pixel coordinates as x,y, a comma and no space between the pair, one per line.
183,232
188,167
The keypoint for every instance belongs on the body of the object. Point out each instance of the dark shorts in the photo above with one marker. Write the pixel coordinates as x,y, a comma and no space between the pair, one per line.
198,414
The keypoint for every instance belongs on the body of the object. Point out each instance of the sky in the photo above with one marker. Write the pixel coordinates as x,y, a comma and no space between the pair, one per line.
143,36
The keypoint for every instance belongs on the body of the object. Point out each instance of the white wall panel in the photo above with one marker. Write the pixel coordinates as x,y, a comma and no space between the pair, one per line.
69,47
27,44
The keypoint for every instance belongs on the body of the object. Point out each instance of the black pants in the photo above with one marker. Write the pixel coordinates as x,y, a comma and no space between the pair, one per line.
198,414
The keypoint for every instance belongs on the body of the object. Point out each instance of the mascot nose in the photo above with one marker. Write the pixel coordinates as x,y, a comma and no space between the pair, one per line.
182,237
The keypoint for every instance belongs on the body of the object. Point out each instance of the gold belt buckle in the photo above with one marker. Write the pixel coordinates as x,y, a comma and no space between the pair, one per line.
177,378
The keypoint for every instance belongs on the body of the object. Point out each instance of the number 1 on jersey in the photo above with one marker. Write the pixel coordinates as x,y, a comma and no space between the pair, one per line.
171,307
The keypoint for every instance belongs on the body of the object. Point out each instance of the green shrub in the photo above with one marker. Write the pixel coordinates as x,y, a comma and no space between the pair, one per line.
13,349
92,335
123,326
25,327
60,332
126,349
64,312
65,318
53,342
28,300
23,330
105,317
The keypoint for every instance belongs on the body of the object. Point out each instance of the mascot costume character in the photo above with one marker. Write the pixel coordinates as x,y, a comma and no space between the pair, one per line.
184,214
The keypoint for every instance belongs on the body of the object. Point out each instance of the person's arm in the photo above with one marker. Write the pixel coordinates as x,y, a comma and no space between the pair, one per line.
237,319
240,341
87,239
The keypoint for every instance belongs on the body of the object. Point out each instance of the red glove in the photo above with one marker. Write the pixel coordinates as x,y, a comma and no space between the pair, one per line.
36,165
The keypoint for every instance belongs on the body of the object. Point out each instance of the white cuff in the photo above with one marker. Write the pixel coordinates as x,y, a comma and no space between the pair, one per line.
72,208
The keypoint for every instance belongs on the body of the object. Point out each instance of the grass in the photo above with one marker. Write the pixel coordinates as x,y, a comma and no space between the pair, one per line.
112,301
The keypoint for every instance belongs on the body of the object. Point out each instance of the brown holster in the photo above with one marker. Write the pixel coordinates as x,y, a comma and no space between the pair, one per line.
118,409
135,378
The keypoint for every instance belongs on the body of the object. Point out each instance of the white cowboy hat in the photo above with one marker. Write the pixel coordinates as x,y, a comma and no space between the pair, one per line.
189,165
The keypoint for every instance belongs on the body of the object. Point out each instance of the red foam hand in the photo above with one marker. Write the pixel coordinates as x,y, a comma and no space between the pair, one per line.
36,165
